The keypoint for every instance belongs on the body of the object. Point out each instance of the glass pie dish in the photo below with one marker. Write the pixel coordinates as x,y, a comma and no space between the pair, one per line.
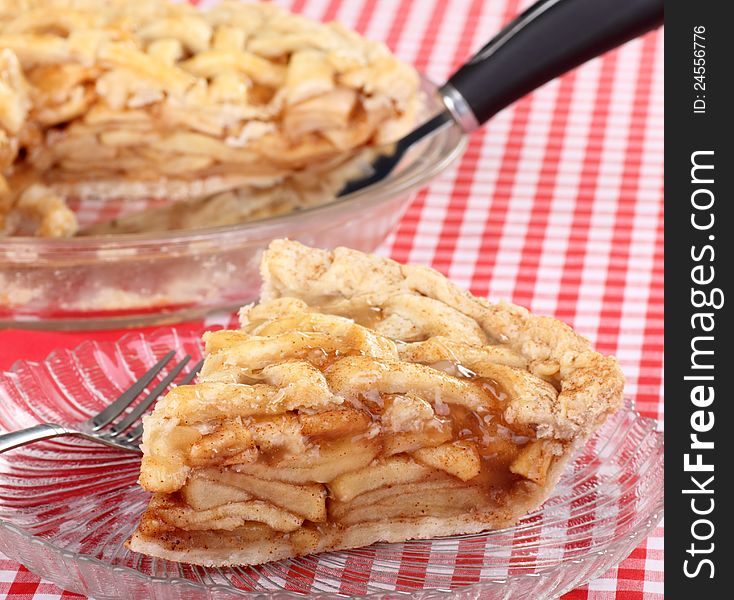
67,507
134,279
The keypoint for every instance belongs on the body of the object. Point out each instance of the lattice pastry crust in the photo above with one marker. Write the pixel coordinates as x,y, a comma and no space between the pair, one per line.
361,401
152,99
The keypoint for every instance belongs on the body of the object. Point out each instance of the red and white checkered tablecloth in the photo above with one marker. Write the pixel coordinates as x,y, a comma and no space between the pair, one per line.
557,205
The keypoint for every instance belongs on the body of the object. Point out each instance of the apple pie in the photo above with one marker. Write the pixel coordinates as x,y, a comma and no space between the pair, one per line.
154,99
362,401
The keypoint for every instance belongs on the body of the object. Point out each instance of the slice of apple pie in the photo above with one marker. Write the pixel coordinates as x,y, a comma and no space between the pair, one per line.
364,401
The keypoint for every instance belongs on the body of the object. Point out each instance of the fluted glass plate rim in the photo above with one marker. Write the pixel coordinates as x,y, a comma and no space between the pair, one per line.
624,543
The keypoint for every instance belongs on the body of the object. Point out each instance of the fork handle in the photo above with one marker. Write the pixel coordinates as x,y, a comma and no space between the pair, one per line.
36,433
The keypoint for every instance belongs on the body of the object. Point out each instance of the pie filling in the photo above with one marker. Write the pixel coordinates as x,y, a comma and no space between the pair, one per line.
303,435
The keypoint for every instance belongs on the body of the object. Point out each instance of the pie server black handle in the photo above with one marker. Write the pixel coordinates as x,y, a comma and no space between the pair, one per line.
548,39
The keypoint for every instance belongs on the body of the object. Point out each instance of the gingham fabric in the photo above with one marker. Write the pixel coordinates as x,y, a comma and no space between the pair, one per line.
557,205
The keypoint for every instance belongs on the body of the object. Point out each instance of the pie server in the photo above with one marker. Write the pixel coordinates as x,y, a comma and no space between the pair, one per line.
548,39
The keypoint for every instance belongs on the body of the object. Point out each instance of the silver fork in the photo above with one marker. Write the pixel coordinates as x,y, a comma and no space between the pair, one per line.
111,426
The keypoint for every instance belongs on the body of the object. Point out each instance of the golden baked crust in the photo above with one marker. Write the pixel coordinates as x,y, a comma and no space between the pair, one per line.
112,98
590,384
361,401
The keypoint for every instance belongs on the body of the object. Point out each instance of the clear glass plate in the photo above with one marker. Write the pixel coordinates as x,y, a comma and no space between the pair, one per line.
67,507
